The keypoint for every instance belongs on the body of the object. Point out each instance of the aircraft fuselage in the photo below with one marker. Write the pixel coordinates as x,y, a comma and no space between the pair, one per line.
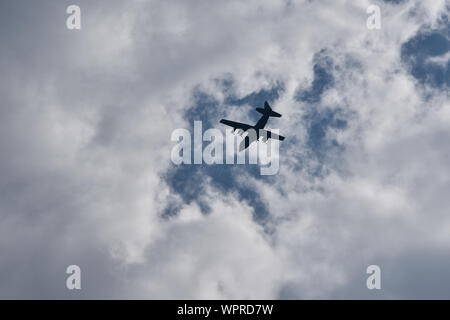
261,123
249,138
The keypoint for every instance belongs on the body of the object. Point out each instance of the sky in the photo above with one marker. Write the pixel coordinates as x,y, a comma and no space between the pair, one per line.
86,118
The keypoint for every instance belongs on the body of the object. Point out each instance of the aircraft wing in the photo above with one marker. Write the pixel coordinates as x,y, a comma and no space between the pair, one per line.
236,125
270,135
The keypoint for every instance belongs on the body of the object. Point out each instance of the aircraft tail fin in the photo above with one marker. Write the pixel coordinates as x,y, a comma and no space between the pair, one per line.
268,111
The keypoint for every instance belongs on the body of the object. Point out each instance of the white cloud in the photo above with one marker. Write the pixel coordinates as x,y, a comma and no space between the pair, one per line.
87,139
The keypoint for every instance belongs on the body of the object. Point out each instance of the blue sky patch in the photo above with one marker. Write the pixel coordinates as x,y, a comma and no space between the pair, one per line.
323,78
189,181
319,120
425,55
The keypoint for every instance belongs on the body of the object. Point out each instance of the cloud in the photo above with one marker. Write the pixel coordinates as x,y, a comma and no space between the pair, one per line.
86,120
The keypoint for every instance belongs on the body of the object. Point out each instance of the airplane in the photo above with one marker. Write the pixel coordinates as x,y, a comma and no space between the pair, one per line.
258,127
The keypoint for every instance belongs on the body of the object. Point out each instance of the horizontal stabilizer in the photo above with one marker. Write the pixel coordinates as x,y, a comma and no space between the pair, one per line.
265,134
268,111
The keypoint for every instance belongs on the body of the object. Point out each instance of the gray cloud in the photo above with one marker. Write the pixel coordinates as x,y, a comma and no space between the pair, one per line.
85,124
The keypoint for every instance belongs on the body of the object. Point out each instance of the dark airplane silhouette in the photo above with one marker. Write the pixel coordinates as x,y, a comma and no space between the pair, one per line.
258,127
